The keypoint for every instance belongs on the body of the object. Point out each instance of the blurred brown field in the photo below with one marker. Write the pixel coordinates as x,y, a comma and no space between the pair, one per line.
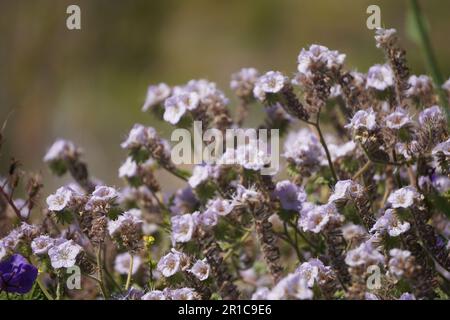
88,86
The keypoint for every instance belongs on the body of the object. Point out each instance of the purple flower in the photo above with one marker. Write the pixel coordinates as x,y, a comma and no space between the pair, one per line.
184,201
291,196
17,275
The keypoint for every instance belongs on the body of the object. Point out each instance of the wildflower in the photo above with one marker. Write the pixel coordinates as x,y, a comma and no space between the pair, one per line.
276,114
207,92
101,197
315,218
64,255
269,83
42,244
293,286
352,232
261,293
309,272
243,82
316,57
244,195
154,295
61,150
12,240
385,37
335,91
17,275
200,270
183,294
123,261
443,147
199,175
221,207
128,169
303,148
389,222
291,196
184,201
400,262
173,110
172,263
59,200
370,296
345,190
446,85
433,113
364,254
156,94
2,251
183,227
397,119
338,151
403,198
441,183
380,77
253,156
139,136
407,296
125,223
207,219
419,86
365,119
28,231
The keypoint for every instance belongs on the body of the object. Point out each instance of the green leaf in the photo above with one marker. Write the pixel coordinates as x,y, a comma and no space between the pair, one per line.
441,203
64,217
412,31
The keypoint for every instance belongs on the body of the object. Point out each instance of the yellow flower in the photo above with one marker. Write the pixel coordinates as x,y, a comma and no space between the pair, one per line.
149,240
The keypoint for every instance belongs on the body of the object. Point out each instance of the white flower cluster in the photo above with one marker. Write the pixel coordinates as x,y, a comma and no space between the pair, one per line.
296,285
380,77
176,261
304,148
364,255
318,57
156,94
391,224
171,294
60,150
315,218
365,119
270,83
139,136
127,220
404,197
243,82
346,190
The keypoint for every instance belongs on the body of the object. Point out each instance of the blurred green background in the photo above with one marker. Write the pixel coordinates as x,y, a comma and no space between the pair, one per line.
88,86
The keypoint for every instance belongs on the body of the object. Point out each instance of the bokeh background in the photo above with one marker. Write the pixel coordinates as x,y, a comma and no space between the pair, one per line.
88,86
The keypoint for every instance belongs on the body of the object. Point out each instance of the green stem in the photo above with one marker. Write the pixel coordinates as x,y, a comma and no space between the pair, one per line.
327,152
58,287
427,48
130,271
100,271
293,243
362,170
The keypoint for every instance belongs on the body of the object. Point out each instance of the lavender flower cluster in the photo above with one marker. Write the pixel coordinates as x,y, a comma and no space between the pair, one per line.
359,212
